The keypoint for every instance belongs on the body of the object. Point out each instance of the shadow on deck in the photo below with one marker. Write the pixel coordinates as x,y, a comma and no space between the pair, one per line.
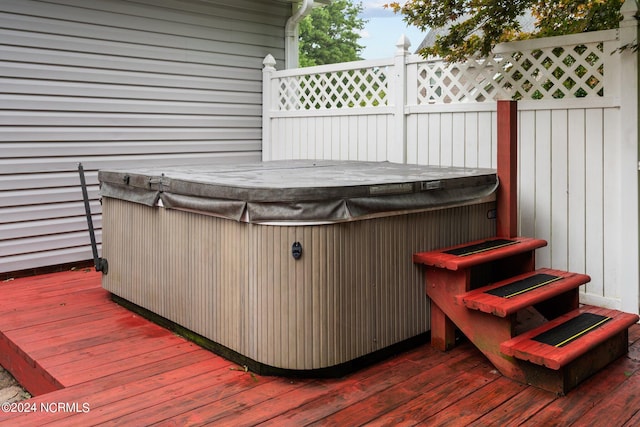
90,361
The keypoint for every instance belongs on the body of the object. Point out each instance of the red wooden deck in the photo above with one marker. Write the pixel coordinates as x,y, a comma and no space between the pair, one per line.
92,362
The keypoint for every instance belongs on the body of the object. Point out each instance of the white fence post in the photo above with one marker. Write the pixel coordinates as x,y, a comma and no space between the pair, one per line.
267,103
397,148
628,257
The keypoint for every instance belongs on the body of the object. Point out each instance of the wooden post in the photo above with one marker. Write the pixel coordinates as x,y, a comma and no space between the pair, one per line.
507,203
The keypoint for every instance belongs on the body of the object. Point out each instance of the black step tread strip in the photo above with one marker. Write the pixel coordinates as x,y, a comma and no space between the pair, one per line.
522,286
571,330
480,247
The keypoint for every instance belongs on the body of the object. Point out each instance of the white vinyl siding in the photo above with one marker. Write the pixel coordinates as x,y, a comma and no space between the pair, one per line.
113,83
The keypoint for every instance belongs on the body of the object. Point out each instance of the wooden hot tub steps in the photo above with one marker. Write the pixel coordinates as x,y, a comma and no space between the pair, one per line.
527,322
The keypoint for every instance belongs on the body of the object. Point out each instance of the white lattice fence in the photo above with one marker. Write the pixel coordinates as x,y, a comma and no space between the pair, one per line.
440,82
359,87
570,71
521,71
551,68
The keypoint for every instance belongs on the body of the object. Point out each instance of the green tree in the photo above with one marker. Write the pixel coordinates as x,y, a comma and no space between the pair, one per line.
330,34
476,26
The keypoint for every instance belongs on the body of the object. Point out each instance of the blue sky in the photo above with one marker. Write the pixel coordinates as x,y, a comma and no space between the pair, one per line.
383,30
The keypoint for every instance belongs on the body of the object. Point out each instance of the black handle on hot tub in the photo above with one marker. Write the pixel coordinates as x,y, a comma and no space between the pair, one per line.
100,264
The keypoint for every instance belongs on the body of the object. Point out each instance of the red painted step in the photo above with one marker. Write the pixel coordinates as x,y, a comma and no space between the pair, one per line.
441,259
479,299
524,347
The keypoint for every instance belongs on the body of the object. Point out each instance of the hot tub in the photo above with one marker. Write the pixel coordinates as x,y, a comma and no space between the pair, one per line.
288,266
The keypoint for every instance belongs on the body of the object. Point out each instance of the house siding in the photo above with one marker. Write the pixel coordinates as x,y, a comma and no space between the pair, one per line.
115,84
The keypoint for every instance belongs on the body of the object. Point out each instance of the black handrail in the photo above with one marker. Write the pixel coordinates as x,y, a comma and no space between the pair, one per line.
100,264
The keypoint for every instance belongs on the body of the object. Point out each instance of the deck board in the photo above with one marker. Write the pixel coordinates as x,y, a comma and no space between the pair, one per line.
63,327
357,388
429,403
516,410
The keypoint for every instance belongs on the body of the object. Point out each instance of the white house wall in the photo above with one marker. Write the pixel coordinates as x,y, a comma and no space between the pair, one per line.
113,84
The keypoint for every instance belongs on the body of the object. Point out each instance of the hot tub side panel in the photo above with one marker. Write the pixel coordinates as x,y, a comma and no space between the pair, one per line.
355,289
187,268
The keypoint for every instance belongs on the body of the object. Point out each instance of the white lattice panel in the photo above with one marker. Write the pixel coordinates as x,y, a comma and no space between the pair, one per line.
441,82
546,73
367,87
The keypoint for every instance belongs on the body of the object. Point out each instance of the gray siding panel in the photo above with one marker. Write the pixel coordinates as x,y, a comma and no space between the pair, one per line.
113,83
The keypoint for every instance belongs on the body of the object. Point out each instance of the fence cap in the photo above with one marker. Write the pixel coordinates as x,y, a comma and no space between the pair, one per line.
269,62
403,44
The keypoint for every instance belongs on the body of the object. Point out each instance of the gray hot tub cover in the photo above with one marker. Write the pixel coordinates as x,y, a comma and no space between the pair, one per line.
300,190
